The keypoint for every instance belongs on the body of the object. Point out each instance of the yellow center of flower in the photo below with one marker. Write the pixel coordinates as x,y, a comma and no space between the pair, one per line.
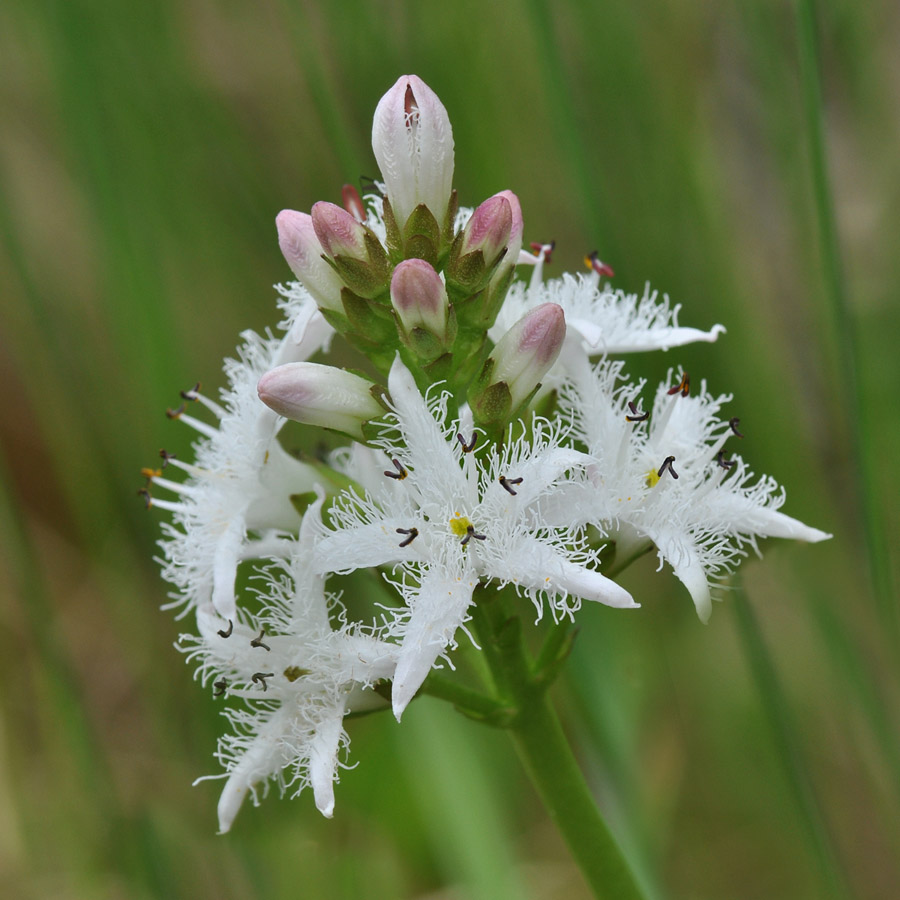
460,525
652,478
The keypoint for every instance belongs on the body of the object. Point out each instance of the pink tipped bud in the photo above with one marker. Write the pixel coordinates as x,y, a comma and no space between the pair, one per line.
514,245
413,144
419,297
338,232
320,395
489,229
524,355
303,252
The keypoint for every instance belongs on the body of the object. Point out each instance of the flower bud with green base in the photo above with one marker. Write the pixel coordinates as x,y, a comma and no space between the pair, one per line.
512,373
353,250
316,394
427,323
494,294
479,247
303,252
413,145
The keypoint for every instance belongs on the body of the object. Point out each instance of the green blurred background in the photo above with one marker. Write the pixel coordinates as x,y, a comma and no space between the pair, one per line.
742,157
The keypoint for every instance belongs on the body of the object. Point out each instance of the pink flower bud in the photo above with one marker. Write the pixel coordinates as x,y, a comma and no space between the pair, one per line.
524,355
413,144
419,297
320,395
303,252
338,231
514,245
489,228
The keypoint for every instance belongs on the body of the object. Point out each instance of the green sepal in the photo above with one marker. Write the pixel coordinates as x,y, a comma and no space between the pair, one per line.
369,319
361,276
422,236
449,221
392,237
491,409
338,321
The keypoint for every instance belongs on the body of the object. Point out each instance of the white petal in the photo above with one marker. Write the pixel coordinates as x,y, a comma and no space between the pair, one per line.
225,562
682,556
362,546
537,567
771,523
323,759
438,608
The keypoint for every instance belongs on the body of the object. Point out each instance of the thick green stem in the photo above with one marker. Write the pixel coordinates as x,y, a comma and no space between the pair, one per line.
548,758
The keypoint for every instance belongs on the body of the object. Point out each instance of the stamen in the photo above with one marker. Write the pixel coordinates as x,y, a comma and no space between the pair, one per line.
353,202
400,474
734,426
595,264
667,466
176,413
635,415
148,500
192,393
260,678
468,448
369,185
545,249
258,640
506,482
166,457
220,686
724,463
470,533
412,532
226,634
684,386
150,474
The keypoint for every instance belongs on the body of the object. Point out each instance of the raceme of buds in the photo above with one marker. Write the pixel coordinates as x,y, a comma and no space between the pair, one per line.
303,252
356,253
420,301
316,394
517,364
413,144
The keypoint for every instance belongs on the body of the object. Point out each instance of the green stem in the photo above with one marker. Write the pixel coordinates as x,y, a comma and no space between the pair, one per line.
547,756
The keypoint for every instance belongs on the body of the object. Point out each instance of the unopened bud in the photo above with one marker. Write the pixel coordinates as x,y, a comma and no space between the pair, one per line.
413,144
517,364
338,231
419,297
303,252
357,254
489,229
320,395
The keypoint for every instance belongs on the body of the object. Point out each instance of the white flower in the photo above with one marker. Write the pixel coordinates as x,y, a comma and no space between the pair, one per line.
235,503
298,676
450,517
664,478
607,321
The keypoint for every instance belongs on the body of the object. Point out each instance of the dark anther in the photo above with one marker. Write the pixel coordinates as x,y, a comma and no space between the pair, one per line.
148,500
260,678
369,185
684,386
400,474
734,426
506,482
724,463
166,456
593,261
470,533
635,415
226,634
467,448
175,413
258,640
667,466
412,532
220,687
547,250
192,393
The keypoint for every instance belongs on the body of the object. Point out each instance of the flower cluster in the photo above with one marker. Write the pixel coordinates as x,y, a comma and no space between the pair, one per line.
492,442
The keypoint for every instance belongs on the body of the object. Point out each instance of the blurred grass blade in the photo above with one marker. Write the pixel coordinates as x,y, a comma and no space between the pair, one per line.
778,713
